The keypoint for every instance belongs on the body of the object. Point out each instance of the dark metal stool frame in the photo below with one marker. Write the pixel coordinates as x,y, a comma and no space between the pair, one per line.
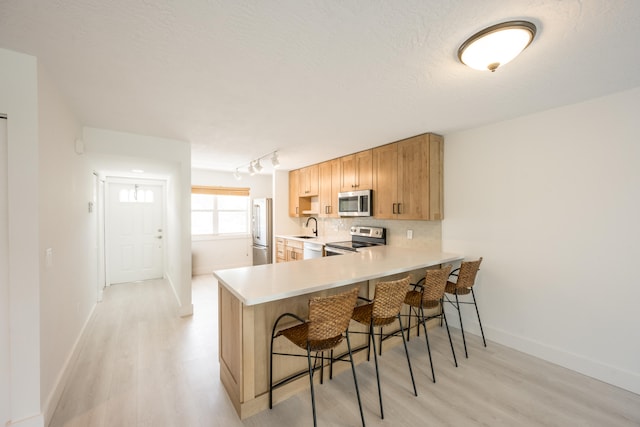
466,275
429,293
327,326
383,310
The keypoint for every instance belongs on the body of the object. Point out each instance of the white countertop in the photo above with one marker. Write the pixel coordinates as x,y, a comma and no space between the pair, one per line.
271,282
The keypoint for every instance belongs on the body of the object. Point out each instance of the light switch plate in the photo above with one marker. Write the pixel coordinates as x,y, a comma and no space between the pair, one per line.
409,234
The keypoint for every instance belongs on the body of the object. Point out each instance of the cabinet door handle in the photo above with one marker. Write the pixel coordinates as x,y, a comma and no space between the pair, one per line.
393,209
399,208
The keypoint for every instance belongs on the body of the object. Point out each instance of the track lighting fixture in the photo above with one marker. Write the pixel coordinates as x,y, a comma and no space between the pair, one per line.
255,166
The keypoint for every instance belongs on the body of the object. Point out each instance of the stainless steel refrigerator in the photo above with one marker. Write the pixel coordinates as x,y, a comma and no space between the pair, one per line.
261,224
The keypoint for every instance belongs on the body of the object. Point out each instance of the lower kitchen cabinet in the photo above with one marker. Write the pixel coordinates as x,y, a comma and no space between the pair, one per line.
289,250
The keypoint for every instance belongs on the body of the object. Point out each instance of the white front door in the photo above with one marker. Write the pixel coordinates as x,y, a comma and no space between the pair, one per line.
135,230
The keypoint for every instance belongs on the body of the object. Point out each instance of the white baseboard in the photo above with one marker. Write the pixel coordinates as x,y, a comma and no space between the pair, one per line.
53,399
592,368
35,421
609,374
184,310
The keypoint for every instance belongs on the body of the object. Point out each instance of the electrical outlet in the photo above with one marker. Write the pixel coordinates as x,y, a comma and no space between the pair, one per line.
409,234
48,256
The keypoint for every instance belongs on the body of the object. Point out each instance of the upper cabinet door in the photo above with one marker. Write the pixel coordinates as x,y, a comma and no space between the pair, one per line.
413,178
407,179
328,188
357,171
385,181
308,181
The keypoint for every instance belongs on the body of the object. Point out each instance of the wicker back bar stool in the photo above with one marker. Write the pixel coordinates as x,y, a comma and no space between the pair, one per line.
383,310
466,278
326,328
428,293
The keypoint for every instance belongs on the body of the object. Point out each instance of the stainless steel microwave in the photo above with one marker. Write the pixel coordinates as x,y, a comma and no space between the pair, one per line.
355,203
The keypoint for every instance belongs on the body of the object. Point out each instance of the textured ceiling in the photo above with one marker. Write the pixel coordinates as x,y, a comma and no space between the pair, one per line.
314,79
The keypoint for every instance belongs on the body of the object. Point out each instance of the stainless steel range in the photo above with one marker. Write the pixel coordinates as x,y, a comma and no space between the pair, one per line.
361,237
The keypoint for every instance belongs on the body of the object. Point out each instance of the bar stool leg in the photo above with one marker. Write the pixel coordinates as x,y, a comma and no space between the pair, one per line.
313,399
444,315
375,358
406,351
355,380
478,313
464,341
426,337
271,373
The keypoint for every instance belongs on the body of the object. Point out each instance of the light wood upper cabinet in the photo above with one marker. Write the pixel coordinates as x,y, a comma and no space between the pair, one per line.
297,205
356,171
294,204
385,181
308,181
408,179
328,188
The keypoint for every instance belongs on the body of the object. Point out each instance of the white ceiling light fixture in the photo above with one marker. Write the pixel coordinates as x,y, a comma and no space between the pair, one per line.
497,45
274,159
255,166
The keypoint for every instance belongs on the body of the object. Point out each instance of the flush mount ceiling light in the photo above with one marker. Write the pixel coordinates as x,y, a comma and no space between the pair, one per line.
497,45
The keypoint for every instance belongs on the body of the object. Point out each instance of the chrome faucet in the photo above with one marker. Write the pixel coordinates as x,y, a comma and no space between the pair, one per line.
315,231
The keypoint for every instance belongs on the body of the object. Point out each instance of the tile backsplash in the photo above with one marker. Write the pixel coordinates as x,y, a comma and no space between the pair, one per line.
426,234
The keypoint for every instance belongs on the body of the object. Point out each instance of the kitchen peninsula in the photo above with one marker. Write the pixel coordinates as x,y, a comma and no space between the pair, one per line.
251,298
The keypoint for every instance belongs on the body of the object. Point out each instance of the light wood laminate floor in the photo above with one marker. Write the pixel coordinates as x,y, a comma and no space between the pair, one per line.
140,364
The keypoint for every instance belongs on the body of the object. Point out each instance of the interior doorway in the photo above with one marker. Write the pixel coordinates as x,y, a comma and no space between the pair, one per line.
135,230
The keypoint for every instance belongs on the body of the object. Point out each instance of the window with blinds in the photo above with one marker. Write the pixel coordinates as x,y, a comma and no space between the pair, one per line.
218,211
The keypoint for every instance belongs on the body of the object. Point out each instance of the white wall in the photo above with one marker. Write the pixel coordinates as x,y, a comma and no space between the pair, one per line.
19,100
209,254
162,159
5,334
68,291
550,201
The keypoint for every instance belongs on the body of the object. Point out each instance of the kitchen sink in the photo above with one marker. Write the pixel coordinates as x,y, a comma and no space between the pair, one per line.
304,237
